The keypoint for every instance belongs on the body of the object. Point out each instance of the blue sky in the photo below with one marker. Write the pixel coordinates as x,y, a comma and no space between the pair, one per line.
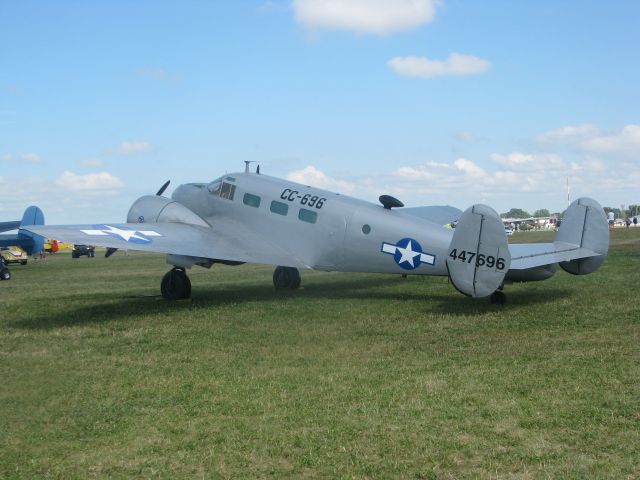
447,102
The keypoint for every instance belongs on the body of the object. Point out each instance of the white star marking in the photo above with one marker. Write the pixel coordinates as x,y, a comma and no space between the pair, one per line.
126,235
408,254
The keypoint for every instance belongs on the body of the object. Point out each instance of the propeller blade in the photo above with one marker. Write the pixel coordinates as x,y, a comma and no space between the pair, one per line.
163,188
110,251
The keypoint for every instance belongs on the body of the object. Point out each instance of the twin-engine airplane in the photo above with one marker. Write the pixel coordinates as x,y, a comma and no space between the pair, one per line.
253,218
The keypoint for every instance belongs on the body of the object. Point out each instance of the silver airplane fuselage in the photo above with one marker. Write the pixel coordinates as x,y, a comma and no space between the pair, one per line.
323,230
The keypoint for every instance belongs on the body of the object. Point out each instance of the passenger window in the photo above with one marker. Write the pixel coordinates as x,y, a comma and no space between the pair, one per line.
251,200
307,215
279,208
227,191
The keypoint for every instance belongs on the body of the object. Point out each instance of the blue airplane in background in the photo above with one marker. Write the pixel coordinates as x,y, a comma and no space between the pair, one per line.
28,241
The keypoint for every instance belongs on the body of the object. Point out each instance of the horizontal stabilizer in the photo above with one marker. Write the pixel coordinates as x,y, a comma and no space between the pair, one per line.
7,226
581,244
529,255
440,214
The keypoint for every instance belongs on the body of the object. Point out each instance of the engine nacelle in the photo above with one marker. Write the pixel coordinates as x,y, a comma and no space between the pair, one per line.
156,209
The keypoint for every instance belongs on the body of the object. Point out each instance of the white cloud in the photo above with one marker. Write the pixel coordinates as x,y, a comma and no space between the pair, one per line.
380,17
30,157
420,172
466,137
90,181
456,64
24,158
626,142
468,167
568,133
589,138
522,161
91,163
310,175
131,148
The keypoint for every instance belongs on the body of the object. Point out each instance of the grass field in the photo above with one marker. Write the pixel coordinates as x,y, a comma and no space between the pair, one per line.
353,376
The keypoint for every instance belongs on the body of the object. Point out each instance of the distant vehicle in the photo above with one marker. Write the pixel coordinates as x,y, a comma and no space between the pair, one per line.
5,274
14,255
79,250
508,231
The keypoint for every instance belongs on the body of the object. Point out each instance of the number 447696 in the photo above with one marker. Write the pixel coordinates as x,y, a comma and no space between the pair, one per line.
481,260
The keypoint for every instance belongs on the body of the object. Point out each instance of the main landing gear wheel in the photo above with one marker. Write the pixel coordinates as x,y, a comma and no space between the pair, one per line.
175,285
286,277
498,298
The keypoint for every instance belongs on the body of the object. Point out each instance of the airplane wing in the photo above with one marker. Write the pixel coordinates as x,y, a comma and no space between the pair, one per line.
231,241
440,214
529,255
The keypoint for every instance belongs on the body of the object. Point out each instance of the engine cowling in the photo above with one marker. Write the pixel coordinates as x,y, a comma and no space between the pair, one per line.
157,209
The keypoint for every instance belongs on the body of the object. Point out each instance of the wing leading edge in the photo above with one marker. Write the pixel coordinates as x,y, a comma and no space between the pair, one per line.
243,245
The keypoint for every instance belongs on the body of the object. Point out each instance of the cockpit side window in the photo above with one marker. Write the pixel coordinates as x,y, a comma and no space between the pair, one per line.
227,191
222,189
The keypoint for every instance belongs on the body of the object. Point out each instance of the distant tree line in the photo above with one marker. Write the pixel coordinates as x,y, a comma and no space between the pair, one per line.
519,213
629,212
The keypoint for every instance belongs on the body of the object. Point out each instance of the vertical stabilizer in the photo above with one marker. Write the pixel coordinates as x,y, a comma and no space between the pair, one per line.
584,224
478,257
30,242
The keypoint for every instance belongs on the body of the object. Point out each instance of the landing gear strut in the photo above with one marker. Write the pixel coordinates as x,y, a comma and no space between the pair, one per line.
175,285
498,298
286,277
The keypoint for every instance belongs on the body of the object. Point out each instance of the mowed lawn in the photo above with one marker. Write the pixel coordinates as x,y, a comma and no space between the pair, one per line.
353,376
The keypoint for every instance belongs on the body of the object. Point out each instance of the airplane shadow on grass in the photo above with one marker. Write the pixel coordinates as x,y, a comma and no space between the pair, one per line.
371,288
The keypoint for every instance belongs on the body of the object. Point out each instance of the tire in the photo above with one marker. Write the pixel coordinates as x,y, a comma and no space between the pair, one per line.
23,262
74,255
175,285
498,298
286,278
5,274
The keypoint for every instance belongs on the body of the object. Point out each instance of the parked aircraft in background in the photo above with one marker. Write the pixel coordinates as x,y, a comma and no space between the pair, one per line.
255,218
24,239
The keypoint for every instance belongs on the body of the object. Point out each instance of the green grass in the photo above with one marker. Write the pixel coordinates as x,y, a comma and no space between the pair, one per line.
353,376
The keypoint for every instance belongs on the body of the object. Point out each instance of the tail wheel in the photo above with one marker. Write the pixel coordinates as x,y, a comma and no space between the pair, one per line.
286,278
175,285
5,274
498,298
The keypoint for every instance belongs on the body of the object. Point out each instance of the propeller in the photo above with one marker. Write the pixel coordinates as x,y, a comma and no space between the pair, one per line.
112,250
163,188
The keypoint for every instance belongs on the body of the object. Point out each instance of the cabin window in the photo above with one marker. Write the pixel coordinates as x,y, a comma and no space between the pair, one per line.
366,229
227,191
279,208
251,200
307,215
